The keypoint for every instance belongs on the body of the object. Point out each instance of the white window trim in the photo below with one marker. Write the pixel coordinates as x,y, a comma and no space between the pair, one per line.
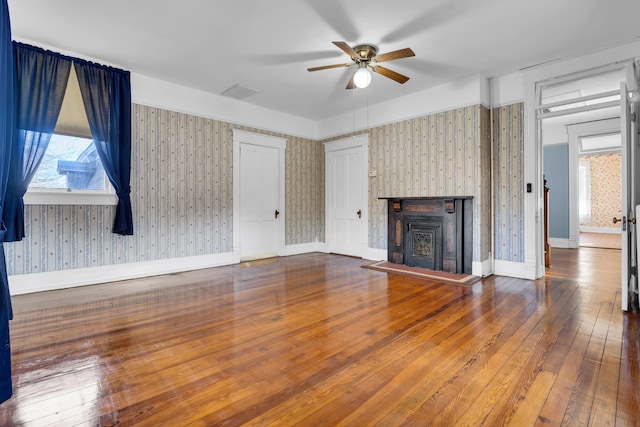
71,197
68,196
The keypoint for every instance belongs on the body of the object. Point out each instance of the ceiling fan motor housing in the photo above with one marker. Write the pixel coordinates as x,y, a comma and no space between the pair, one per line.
366,52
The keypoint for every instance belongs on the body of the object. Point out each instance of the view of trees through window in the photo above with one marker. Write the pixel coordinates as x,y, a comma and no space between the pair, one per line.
70,163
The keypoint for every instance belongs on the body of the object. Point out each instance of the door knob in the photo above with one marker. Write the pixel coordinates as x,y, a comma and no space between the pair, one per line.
359,213
623,221
277,213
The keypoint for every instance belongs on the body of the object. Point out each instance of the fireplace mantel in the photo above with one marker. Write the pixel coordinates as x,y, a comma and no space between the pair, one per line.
432,232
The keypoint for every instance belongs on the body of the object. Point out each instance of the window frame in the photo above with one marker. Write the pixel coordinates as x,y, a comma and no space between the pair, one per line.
69,196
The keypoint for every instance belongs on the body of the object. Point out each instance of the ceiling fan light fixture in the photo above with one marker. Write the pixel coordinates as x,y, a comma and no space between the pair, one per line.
363,56
362,77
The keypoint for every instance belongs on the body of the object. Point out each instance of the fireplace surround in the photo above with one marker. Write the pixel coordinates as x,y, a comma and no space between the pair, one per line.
431,232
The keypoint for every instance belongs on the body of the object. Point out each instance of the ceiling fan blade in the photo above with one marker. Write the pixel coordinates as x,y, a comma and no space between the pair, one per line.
351,84
347,49
396,54
391,74
326,67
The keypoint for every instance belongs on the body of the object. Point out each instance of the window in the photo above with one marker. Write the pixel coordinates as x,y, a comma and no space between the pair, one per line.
584,191
70,163
71,172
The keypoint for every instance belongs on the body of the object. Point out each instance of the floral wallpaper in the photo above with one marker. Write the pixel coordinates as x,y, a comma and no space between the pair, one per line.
508,170
443,154
181,195
182,188
606,192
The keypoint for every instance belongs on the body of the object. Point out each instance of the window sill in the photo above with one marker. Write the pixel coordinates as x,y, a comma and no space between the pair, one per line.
77,197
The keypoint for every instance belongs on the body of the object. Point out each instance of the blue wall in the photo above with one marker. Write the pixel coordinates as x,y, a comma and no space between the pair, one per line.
556,170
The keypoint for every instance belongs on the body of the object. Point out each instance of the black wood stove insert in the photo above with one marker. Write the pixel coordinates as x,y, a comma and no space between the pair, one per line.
431,232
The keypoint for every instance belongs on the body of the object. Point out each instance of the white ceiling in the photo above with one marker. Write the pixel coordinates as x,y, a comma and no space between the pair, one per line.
268,45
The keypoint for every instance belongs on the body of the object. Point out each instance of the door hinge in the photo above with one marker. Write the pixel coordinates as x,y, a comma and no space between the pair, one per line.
634,270
633,116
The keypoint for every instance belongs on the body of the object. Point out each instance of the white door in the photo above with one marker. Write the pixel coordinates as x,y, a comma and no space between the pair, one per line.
346,199
258,195
259,202
630,197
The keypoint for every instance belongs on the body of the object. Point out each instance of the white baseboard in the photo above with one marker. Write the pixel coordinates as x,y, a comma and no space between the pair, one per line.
39,282
374,254
49,281
514,269
609,230
371,254
557,242
322,247
302,248
305,248
52,280
482,268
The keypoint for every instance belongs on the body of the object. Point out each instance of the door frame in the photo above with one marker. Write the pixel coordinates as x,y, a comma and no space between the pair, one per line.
576,133
533,80
361,141
241,137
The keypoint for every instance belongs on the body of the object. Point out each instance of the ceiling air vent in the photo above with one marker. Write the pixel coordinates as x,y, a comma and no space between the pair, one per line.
239,92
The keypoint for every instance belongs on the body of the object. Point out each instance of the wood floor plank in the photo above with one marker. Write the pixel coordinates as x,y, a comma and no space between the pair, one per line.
528,410
603,412
457,385
315,339
406,363
495,397
628,398
574,373
376,339
583,391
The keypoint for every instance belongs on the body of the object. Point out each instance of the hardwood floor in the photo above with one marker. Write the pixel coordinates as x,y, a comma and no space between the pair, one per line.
601,240
315,339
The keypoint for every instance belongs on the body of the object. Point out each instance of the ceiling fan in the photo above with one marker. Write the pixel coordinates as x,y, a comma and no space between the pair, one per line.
364,56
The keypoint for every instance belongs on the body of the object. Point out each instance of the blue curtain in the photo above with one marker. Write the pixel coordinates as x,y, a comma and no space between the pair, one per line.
41,80
106,93
7,133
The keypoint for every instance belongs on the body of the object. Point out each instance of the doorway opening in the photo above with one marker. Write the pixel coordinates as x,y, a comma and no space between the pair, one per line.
599,191
579,118
576,109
